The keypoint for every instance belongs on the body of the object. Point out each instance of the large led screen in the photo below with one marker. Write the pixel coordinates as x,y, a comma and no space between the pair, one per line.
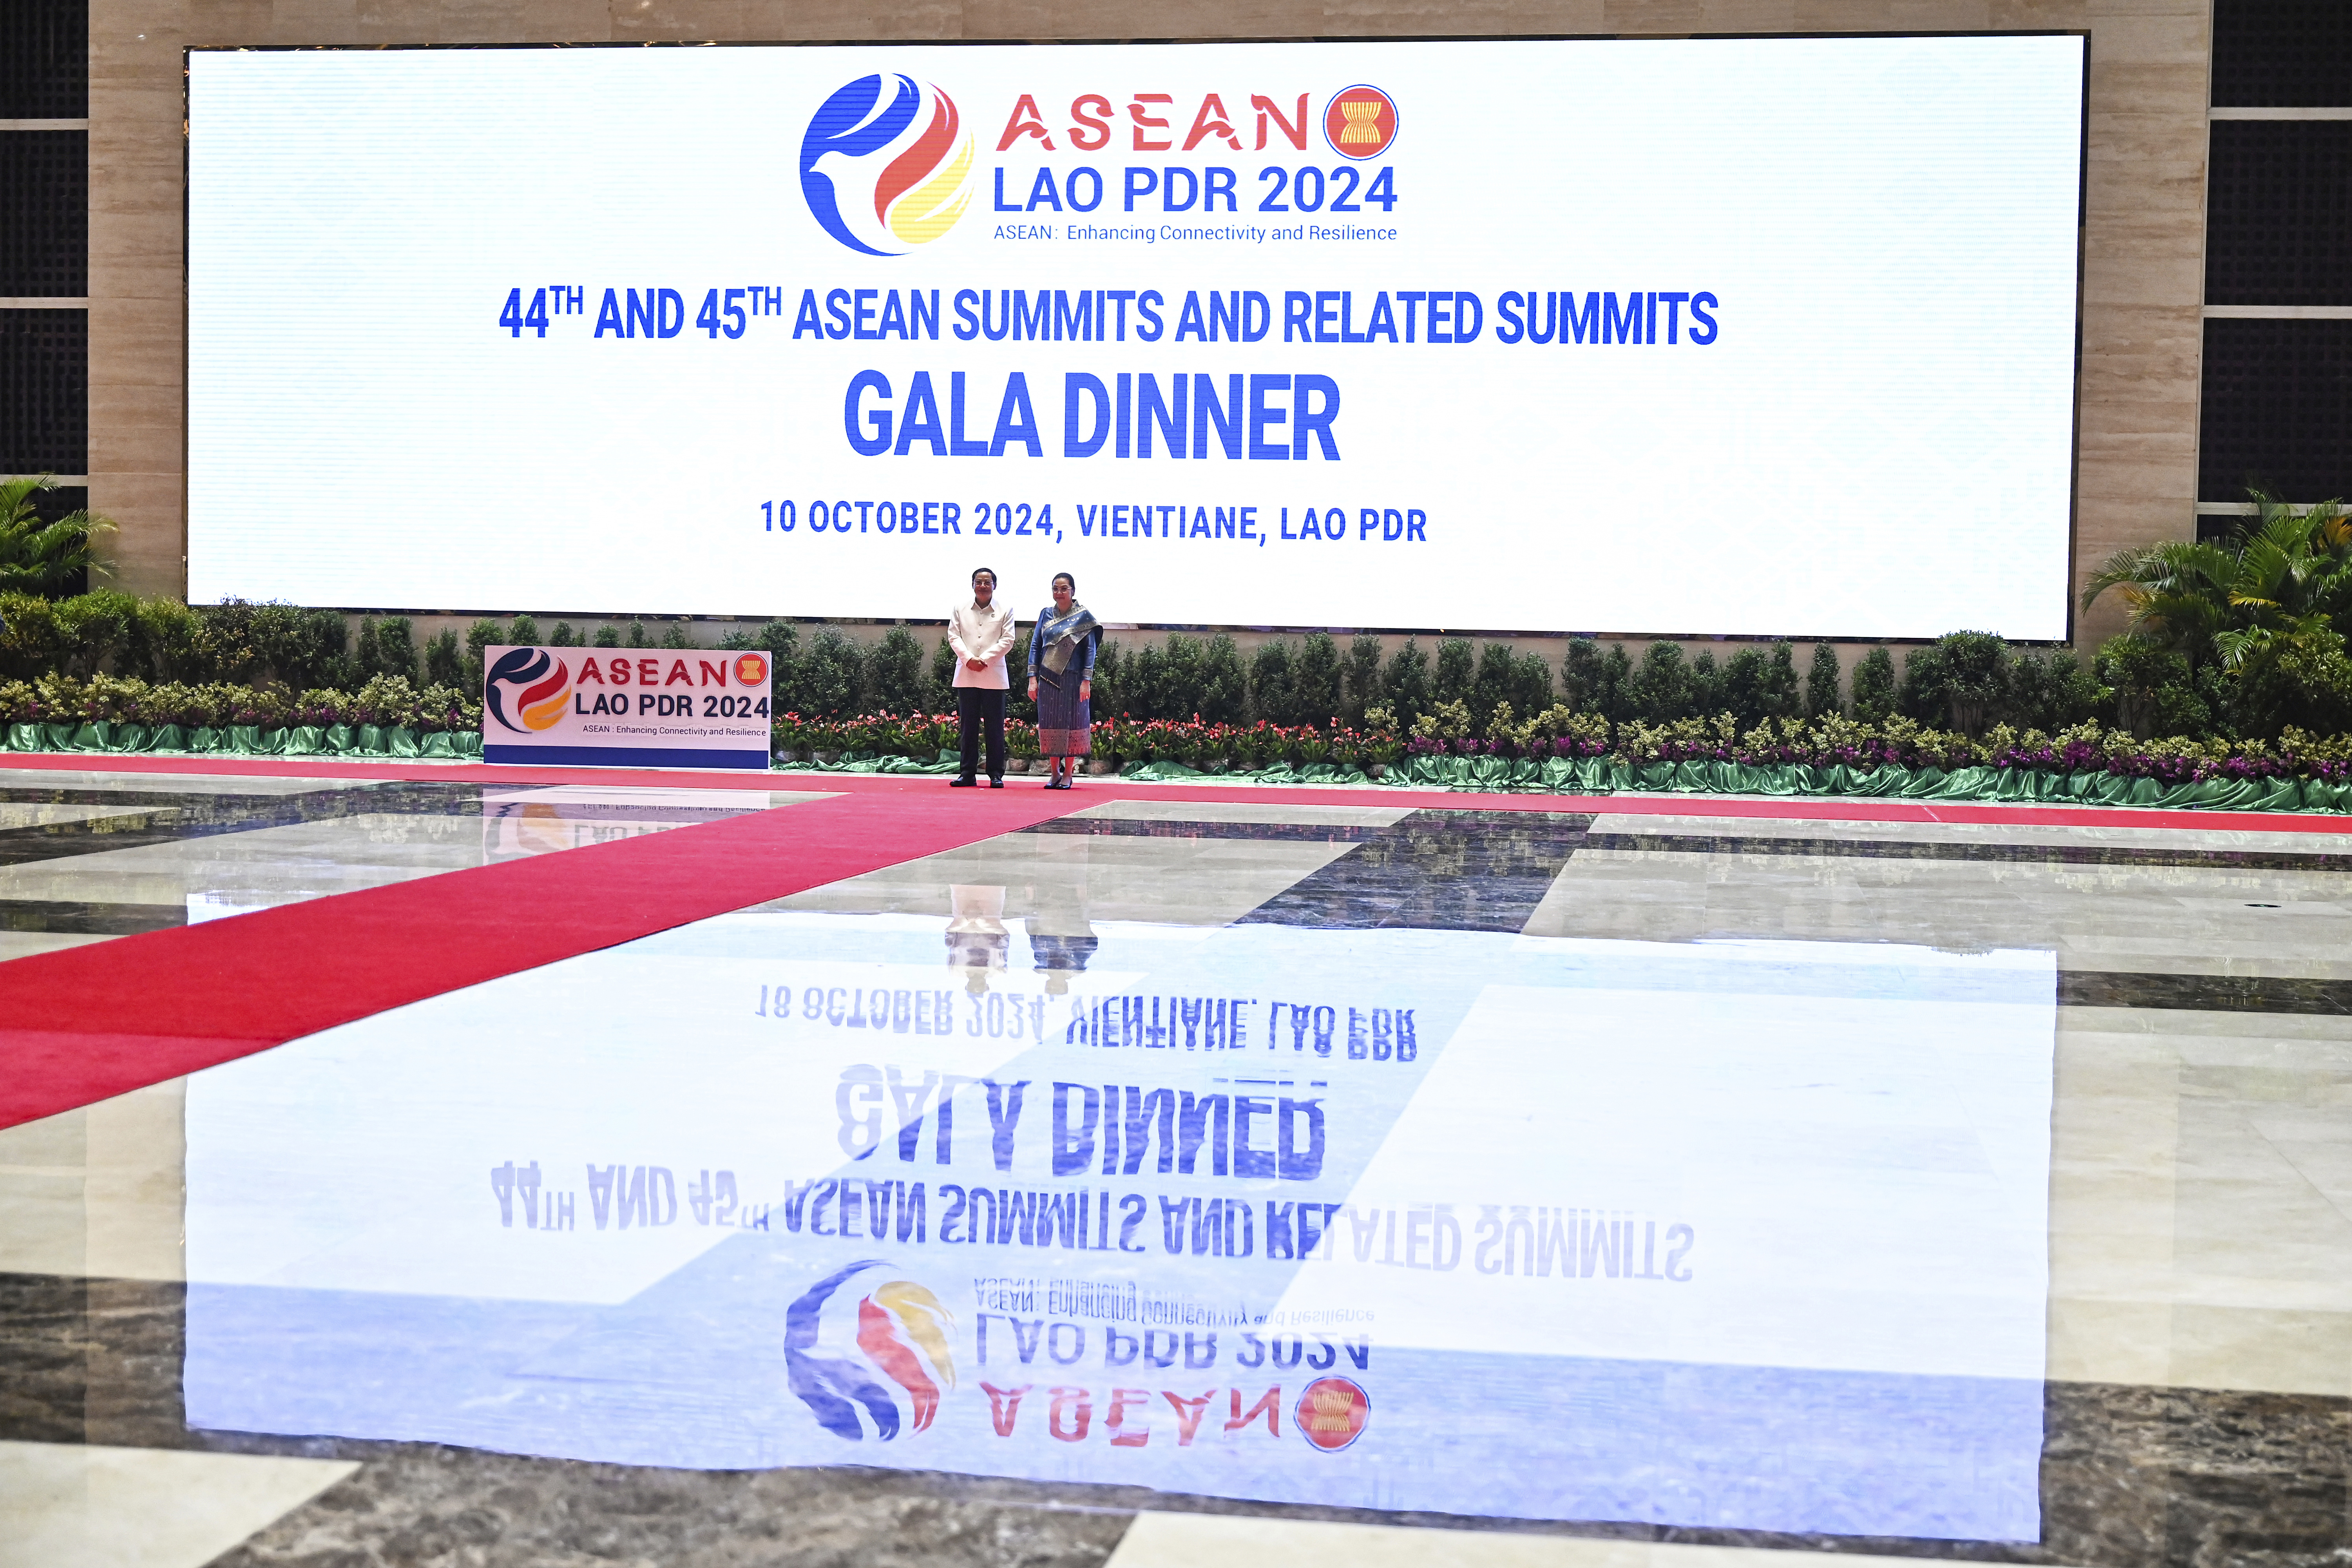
1715,336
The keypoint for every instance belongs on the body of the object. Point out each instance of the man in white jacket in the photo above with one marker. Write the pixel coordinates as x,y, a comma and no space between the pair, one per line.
980,635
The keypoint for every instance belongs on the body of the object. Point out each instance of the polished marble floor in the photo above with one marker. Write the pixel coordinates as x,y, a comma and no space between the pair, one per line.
1212,1180
87,856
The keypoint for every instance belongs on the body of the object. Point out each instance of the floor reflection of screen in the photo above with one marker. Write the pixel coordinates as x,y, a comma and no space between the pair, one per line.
1728,1234
522,822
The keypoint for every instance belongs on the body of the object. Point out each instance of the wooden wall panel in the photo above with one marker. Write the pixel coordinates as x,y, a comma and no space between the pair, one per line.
2144,245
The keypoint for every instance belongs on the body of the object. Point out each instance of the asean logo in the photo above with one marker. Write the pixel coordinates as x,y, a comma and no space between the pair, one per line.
1360,123
750,670
843,1360
887,166
1332,1412
544,682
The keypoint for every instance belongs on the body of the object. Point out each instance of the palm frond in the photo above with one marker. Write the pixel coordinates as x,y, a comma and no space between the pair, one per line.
16,499
45,558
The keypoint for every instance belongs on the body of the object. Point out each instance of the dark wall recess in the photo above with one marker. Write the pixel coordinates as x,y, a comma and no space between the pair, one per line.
2278,408
44,392
43,59
45,243
44,212
2279,213
2282,54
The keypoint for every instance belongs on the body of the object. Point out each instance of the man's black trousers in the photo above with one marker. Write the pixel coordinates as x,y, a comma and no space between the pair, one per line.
976,706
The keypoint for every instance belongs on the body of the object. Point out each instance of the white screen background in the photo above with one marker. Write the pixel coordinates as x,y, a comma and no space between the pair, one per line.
1879,443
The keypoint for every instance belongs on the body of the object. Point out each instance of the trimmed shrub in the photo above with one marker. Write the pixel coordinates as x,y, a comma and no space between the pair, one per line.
1273,685
2155,691
482,635
1593,681
1821,698
2051,692
1405,685
389,647
1705,683
1659,690
444,661
1454,677
1873,687
941,694
1360,688
1319,681
1976,681
1225,686
1520,682
895,679
1110,675
826,680
1780,696
1757,686
1018,703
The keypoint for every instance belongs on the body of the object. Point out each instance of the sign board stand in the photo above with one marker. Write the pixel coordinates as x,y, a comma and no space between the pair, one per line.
668,708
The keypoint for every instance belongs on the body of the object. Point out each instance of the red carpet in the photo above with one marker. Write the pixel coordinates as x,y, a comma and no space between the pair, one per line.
91,1022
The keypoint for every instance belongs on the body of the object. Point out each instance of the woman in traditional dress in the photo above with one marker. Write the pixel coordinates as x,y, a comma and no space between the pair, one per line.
1061,680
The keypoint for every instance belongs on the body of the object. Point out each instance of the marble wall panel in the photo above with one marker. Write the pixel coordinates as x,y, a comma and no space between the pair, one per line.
2146,263
140,419
152,557
1881,15
2145,196
146,328
561,21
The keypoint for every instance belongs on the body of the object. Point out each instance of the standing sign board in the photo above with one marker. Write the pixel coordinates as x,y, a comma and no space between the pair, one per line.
668,708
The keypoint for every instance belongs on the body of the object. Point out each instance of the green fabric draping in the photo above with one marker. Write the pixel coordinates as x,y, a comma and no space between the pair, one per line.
873,763
301,740
1280,773
1598,775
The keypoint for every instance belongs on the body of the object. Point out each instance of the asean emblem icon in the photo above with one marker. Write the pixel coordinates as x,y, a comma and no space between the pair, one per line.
1360,123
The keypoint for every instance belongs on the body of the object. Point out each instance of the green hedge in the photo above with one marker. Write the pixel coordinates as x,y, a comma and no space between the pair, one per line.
384,702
